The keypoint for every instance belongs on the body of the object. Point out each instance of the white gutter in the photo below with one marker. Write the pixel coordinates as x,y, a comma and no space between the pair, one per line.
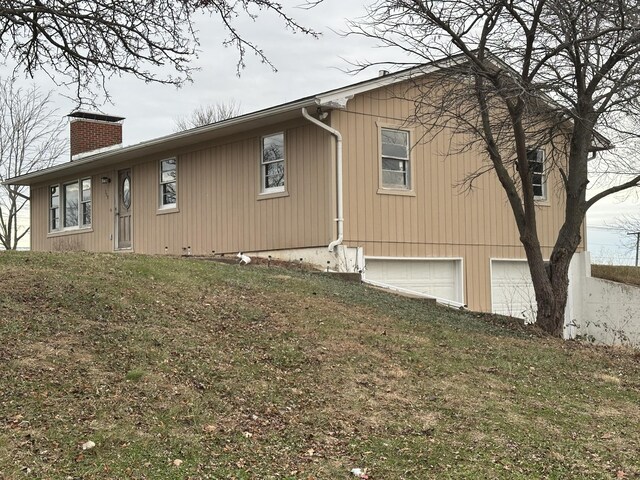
336,133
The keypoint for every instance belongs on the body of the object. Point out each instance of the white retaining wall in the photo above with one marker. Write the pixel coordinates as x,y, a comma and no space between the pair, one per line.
600,310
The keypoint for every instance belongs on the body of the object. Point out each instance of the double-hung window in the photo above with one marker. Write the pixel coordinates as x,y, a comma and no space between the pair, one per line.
538,174
54,207
70,205
272,163
396,165
168,183
85,202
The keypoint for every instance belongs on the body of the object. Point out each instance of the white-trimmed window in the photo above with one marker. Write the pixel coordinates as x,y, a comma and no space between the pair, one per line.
54,207
538,173
70,205
168,183
85,202
396,163
272,163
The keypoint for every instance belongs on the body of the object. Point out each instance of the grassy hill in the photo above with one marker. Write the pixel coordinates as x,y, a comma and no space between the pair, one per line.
617,273
179,369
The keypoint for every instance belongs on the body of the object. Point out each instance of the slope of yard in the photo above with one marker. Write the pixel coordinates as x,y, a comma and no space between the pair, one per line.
617,273
181,369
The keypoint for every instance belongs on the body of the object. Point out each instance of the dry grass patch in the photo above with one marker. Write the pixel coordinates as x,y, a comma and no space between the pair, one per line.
265,372
617,273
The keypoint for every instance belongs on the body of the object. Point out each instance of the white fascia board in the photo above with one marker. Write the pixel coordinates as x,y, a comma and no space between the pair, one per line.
339,97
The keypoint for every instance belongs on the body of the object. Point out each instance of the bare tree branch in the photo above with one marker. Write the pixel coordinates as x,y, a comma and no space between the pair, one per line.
83,43
208,114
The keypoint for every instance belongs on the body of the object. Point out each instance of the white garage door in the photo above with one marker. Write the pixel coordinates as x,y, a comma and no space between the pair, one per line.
511,289
439,278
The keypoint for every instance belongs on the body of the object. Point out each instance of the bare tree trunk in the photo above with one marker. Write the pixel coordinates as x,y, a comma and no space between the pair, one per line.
554,278
551,309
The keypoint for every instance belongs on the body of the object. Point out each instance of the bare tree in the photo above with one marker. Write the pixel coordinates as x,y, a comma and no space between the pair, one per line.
515,77
630,226
30,139
84,42
208,114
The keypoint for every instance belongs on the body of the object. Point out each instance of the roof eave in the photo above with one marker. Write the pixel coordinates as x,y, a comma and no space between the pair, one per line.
198,134
332,99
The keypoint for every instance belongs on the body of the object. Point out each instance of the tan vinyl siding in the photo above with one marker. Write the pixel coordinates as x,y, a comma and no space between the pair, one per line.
96,238
441,219
218,207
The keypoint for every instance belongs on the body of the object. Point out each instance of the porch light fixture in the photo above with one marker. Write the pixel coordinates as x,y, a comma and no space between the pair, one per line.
105,180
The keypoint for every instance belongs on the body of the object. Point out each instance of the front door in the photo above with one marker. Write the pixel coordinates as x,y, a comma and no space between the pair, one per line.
123,217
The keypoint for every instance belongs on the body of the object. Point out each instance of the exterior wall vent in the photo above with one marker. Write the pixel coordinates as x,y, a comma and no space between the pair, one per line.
90,131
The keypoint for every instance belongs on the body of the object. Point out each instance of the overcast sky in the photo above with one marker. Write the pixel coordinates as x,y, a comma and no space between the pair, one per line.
305,66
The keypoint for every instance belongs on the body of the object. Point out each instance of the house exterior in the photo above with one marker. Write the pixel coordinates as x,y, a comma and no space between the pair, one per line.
337,179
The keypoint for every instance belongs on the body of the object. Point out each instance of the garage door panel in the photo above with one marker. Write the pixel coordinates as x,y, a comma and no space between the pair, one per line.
437,278
512,290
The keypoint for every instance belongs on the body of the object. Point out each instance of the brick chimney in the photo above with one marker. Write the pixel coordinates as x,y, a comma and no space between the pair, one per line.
93,131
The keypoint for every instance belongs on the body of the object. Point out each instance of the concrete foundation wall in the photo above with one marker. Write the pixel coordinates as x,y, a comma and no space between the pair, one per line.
343,259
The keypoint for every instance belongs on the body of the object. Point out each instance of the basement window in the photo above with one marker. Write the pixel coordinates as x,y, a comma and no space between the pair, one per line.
70,205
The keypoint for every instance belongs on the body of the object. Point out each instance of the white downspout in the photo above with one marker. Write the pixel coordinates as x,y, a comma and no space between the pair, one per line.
336,133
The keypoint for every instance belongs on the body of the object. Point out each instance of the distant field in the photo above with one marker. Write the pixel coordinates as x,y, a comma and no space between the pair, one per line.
184,369
622,274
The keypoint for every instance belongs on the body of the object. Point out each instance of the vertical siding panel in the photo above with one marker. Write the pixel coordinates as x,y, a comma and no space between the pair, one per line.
203,200
302,147
217,195
314,173
226,205
229,226
308,178
140,211
245,193
371,207
241,215
349,161
209,185
191,213
193,217
320,198
448,197
238,220
350,170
